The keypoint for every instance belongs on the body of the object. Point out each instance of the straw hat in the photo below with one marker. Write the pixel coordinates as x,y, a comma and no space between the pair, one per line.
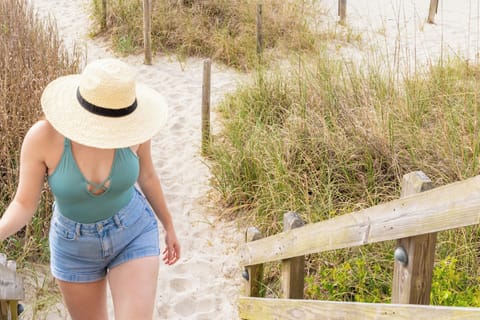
104,107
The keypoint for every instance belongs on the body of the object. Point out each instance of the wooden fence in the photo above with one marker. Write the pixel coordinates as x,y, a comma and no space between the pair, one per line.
147,23
342,11
11,289
413,220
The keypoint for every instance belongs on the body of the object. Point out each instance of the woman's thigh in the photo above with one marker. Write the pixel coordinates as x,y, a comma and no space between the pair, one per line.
133,286
85,300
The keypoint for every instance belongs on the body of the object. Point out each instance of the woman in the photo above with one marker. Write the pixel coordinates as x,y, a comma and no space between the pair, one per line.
94,149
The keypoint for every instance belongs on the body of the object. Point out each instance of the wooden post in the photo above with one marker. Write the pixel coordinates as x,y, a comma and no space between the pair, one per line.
11,289
147,27
293,268
207,70
432,11
259,30
255,272
342,11
104,14
8,310
412,282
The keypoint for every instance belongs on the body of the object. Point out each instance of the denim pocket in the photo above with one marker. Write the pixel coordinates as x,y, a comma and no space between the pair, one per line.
60,231
151,215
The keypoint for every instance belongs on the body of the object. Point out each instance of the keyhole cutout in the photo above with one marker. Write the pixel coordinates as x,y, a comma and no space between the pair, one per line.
98,189
93,164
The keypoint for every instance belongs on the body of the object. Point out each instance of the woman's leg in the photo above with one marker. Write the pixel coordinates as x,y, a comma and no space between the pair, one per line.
85,301
133,285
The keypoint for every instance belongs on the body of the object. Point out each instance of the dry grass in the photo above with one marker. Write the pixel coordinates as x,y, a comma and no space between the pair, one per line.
31,56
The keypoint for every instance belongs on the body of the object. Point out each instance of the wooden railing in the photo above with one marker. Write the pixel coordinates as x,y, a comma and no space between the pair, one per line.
11,289
413,220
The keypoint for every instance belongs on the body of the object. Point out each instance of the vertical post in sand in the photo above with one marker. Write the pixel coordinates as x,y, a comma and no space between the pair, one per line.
104,14
412,272
255,272
293,268
342,11
207,70
259,30
432,11
147,26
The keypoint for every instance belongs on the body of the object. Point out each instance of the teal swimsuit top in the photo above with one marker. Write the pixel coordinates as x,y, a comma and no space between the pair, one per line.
76,202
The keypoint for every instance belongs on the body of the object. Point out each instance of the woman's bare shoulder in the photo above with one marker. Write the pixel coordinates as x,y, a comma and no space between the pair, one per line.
42,134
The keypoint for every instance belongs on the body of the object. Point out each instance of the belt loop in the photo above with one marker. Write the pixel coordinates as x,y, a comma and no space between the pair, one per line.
78,230
117,221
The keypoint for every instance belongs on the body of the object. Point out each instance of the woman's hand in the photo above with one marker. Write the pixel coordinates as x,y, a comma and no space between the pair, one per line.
171,254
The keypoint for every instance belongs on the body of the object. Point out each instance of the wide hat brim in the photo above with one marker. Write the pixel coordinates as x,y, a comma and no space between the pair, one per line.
64,112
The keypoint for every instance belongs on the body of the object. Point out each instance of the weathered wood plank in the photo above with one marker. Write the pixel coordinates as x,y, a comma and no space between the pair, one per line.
259,30
254,272
13,309
452,206
286,309
147,31
342,11
11,285
412,282
293,277
206,88
432,11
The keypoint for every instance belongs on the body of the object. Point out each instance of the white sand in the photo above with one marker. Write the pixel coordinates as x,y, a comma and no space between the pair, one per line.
206,282
398,30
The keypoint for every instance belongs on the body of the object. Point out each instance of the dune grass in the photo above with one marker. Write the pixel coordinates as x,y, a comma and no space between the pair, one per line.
326,138
224,30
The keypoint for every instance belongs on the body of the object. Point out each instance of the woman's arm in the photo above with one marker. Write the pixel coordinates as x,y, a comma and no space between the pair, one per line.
30,184
150,184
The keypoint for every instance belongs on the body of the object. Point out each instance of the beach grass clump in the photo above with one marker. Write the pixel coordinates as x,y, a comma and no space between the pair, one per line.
32,55
325,138
224,30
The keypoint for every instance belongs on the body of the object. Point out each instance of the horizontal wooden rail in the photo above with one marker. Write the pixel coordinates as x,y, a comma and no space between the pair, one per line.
448,207
286,309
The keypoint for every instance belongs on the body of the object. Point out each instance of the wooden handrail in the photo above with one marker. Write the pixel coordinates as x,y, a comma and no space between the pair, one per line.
286,309
413,220
448,207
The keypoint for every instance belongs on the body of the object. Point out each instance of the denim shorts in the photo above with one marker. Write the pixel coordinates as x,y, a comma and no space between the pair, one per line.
84,252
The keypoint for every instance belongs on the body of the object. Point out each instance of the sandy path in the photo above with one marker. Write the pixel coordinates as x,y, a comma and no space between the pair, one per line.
204,284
